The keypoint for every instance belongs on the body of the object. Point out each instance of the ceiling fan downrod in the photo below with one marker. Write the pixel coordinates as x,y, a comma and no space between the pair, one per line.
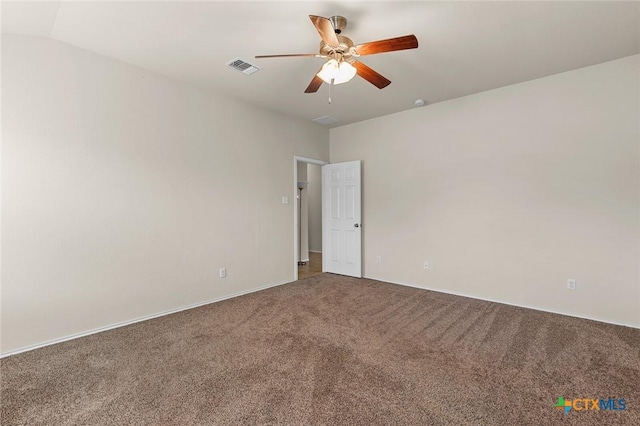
338,23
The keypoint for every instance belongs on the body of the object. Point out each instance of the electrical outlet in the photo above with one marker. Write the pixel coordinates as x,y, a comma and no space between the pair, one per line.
426,264
379,259
223,272
571,284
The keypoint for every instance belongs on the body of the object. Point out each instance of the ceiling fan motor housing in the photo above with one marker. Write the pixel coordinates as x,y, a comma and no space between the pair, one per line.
344,48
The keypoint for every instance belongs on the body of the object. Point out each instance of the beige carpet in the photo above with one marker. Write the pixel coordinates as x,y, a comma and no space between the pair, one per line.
332,350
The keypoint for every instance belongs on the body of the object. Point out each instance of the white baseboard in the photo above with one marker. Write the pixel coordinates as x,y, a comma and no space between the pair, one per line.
231,296
135,320
315,251
455,293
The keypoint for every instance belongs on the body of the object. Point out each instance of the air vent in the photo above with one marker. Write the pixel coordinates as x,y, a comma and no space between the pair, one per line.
242,66
325,120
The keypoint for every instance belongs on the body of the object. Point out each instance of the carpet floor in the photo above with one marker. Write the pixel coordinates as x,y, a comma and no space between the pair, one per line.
332,350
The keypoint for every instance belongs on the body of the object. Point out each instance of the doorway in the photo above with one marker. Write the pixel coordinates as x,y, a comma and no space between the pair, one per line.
307,217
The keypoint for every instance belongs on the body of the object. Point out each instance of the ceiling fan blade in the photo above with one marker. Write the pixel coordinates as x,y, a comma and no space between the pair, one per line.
325,29
315,84
290,55
370,75
388,45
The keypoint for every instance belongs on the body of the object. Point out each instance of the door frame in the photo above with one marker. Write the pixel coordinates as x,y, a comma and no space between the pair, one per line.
307,160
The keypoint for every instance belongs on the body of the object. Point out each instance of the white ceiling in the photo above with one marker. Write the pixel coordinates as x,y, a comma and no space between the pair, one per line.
465,47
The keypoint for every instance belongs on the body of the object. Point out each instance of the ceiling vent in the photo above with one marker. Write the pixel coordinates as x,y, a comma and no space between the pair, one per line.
325,120
242,66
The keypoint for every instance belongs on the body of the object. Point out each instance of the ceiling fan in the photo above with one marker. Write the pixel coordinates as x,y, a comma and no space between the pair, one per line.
341,54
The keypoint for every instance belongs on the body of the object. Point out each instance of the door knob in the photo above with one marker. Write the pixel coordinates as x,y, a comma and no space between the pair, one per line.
357,225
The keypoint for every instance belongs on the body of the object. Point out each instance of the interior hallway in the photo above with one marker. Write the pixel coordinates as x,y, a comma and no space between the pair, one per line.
313,266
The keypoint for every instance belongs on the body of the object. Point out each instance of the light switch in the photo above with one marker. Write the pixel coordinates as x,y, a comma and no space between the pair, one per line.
285,200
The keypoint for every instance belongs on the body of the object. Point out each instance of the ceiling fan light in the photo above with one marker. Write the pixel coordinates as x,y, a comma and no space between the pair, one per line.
338,72
329,71
346,73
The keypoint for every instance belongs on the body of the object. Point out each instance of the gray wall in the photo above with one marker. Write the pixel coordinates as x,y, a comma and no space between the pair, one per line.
303,211
510,192
314,175
124,192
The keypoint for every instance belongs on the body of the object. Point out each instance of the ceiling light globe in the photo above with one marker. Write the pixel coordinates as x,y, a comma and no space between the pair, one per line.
329,71
346,73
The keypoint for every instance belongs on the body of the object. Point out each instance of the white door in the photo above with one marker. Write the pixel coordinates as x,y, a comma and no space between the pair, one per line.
341,219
